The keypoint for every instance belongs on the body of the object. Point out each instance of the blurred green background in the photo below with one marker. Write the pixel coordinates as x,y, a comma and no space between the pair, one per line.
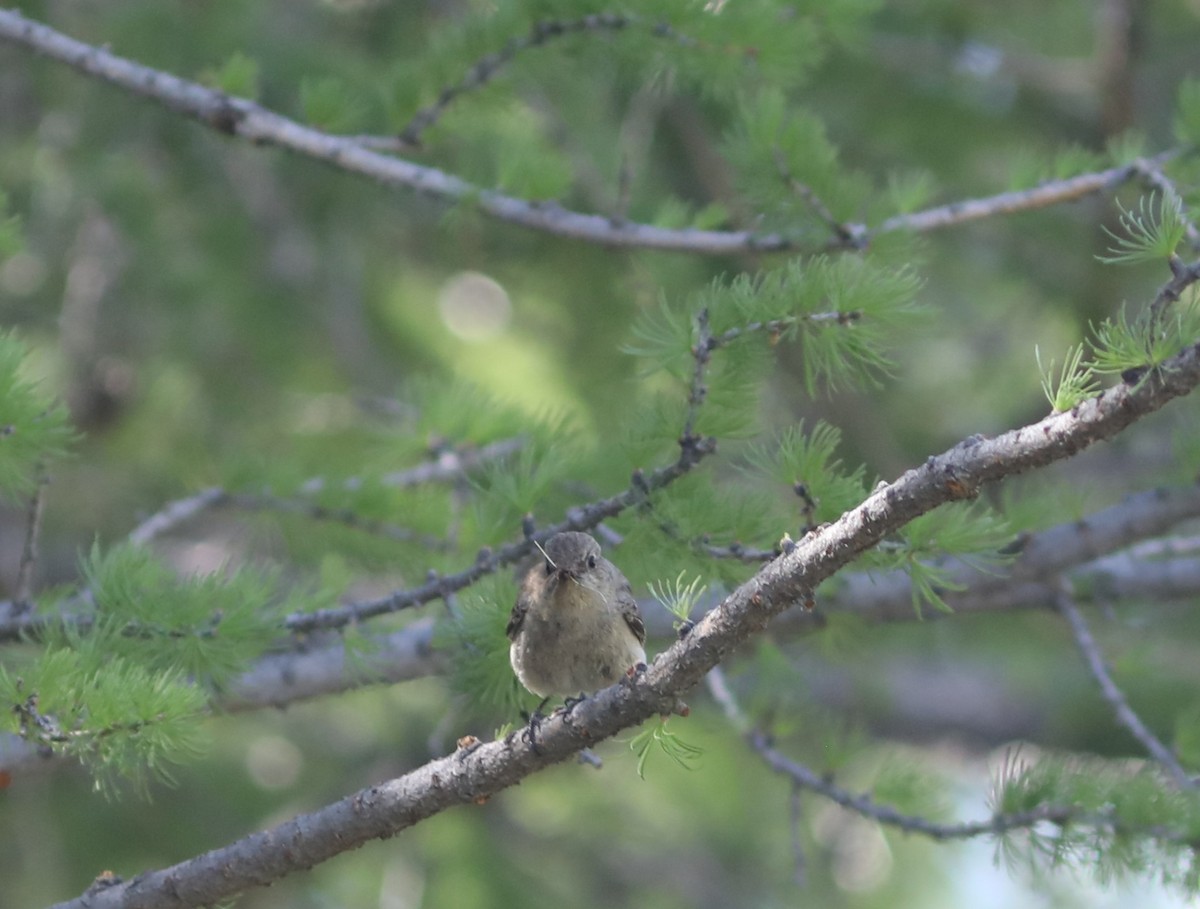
206,307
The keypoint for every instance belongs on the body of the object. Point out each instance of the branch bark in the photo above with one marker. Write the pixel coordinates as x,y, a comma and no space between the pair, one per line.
258,125
476,772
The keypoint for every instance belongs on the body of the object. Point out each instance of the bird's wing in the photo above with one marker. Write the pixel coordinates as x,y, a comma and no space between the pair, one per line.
629,612
517,617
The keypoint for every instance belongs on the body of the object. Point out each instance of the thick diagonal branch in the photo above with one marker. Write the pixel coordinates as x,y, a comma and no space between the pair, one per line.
477,772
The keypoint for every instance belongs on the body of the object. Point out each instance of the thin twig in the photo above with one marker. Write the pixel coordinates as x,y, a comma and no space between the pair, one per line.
1116,699
739,552
862,804
1152,173
489,561
999,823
698,389
776,327
540,34
23,599
171,515
449,465
692,449
1052,192
847,236
261,126
476,773
344,516
1182,277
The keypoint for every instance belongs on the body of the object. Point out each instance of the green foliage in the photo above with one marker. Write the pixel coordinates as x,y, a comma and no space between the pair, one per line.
1027,168
1187,736
1147,341
773,692
911,789
807,463
511,147
1149,235
657,734
464,413
663,338
844,314
689,46
735,381
330,105
651,427
1187,112
11,237
710,217
238,76
677,598
694,509
843,635
208,627
473,639
1074,383
1126,821
34,429
119,718
788,170
523,483
238,322
971,531
1185,457
909,191
1127,147
650,546
1074,160
1038,504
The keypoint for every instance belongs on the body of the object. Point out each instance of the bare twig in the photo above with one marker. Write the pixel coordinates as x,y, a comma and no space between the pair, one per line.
1052,192
261,126
776,327
479,772
1086,548
803,777
23,599
345,516
1182,277
316,671
449,465
692,449
540,34
17,620
847,236
698,390
739,552
1152,173
171,515
1125,714
999,823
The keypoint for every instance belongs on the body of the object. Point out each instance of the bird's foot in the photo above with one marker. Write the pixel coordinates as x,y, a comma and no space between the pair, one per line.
634,673
533,724
530,734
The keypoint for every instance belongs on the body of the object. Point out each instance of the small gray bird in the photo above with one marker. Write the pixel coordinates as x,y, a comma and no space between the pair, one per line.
576,627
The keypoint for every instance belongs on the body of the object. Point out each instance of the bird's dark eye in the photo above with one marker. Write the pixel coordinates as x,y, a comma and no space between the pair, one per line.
591,561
